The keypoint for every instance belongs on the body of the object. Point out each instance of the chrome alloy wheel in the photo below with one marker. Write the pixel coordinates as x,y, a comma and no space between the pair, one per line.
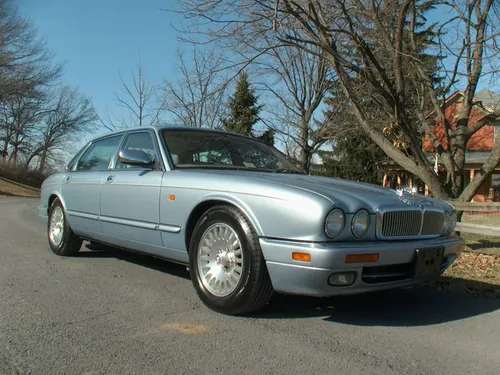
220,260
56,227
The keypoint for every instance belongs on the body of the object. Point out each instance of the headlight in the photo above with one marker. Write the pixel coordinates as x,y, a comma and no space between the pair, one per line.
334,223
453,221
446,223
360,223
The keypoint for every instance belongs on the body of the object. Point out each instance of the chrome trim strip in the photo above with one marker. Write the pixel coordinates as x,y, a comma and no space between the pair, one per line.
168,228
83,215
130,223
131,184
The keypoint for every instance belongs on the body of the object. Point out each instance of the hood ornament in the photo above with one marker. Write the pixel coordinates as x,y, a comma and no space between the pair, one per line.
406,193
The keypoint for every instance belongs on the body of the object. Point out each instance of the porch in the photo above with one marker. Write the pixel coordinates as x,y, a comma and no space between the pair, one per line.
396,177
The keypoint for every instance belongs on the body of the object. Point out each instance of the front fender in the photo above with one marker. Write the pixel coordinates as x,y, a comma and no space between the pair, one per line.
242,206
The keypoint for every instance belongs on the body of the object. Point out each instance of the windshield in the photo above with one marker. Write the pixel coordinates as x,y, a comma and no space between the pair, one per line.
206,149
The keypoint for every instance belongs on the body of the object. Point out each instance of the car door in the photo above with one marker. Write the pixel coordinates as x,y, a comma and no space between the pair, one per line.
130,197
81,185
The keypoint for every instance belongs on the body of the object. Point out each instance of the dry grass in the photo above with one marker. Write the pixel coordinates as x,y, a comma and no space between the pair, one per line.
12,188
478,242
477,270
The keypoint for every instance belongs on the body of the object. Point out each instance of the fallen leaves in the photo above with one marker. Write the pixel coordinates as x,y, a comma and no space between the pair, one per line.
477,267
472,273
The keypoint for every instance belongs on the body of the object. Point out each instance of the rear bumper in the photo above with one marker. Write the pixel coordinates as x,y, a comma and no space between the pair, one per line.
393,269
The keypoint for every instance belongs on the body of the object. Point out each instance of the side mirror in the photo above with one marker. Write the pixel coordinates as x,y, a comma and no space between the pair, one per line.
136,158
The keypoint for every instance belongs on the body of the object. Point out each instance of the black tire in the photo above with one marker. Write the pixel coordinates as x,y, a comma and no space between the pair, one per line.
254,289
70,243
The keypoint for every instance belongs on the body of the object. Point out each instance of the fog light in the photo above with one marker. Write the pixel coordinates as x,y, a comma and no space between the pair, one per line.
342,278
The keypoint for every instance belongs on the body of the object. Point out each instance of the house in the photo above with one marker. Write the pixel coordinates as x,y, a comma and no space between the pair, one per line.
478,148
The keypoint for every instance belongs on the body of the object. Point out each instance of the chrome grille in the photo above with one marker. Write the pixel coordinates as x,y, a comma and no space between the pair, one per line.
433,222
405,223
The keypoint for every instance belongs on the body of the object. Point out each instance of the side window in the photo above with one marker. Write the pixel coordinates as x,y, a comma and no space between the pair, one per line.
139,142
75,158
99,154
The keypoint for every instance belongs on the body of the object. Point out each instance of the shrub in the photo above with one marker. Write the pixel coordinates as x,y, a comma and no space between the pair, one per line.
19,173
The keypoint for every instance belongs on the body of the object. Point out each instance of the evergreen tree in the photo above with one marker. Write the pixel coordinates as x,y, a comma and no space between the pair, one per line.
267,137
243,108
354,157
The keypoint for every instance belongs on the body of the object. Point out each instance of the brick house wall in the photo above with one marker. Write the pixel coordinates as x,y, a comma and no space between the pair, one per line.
482,140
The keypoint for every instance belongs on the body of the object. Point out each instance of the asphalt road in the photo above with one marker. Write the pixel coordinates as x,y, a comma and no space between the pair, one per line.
119,313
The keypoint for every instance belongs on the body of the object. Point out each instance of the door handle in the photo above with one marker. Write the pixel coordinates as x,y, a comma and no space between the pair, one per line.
110,178
67,179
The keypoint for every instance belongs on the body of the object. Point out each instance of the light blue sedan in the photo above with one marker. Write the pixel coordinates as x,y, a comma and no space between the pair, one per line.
245,220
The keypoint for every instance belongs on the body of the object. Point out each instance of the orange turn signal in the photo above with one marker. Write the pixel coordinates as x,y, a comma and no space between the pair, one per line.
303,257
171,197
361,258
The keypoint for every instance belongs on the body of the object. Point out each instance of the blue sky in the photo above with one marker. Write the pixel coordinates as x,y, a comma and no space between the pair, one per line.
97,39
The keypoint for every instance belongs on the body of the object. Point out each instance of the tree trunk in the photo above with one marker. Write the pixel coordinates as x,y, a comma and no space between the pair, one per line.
43,161
305,151
422,171
13,156
4,155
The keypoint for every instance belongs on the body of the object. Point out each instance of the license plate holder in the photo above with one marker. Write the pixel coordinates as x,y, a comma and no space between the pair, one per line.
428,261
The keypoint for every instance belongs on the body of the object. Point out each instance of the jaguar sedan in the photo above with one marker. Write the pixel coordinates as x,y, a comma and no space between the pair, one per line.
245,220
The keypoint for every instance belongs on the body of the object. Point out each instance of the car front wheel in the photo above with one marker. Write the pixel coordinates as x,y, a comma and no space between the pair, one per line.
227,267
62,240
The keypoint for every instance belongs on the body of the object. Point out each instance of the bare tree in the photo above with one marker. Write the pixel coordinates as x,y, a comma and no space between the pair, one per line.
69,115
25,62
380,52
19,115
26,69
141,100
300,84
197,99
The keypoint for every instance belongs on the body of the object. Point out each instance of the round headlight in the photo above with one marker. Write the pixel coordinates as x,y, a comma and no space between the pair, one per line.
334,223
453,221
446,223
360,223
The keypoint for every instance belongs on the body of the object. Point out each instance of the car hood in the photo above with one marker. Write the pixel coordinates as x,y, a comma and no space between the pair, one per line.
348,195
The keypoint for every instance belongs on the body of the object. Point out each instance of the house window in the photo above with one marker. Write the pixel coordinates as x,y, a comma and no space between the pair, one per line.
495,181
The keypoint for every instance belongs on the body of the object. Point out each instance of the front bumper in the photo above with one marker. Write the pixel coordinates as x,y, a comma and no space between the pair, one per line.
394,267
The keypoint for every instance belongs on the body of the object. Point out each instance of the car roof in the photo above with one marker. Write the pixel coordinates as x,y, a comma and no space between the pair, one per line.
159,127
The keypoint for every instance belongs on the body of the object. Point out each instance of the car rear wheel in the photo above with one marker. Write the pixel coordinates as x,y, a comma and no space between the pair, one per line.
62,240
227,267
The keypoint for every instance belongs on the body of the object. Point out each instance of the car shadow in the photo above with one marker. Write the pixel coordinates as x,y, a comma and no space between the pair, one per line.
485,245
411,306
90,250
